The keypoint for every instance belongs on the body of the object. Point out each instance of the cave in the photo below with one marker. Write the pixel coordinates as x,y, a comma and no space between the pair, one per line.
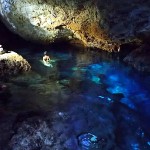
74,75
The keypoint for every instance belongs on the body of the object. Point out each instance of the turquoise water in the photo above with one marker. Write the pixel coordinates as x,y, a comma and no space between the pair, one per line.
85,93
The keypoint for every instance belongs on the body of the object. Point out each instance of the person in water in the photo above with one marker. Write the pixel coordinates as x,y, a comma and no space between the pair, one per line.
46,58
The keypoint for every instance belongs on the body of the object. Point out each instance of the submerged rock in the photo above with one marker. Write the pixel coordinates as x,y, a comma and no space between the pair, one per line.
32,135
88,141
79,125
139,58
95,23
12,63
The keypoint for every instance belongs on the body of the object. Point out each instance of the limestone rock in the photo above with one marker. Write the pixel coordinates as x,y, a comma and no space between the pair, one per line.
139,58
12,63
104,24
30,136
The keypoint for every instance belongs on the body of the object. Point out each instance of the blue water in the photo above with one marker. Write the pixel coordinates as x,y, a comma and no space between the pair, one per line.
86,92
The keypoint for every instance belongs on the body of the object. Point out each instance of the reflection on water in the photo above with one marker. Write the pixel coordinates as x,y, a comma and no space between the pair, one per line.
85,101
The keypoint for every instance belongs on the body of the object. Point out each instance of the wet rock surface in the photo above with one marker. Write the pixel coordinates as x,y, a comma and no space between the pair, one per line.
32,134
101,24
12,63
139,58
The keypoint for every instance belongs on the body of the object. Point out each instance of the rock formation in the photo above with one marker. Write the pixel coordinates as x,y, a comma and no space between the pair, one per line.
102,24
11,64
139,58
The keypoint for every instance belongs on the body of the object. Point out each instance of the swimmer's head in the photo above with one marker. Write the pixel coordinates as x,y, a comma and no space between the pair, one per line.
45,52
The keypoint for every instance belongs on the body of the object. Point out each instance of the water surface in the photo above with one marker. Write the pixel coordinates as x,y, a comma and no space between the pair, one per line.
87,100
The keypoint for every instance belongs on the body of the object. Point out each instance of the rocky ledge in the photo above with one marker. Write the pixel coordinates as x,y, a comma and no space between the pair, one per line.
139,58
12,63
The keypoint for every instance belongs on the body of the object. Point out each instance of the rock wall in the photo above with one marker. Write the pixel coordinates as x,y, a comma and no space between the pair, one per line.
104,24
139,58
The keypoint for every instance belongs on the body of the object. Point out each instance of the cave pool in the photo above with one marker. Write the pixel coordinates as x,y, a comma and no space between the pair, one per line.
86,101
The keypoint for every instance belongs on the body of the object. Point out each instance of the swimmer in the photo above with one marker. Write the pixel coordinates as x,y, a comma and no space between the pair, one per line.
46,58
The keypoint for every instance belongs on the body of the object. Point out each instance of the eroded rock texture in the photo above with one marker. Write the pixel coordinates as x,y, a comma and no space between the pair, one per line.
139,58
103,24
11,64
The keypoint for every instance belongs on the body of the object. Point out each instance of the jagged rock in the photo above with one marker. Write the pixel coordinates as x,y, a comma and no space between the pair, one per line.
12,63
32,135
97,23
139,58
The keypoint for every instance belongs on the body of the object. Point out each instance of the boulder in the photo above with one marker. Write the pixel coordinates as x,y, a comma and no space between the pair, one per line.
12,63
139,58
96,23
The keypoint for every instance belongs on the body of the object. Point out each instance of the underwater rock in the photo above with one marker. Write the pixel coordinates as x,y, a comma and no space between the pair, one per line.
88,141
139,58
75,126
12,63
130,130
7,119
93,22
32,135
